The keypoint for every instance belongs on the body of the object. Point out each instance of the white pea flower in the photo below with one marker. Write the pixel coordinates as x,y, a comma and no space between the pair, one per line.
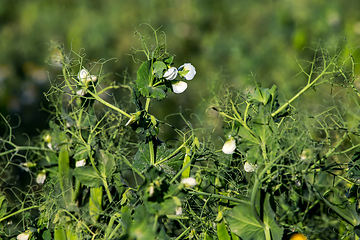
40,179
178,211
85,77
81,92
229,146
151,190
189,182
80,163
171,73
179,87
188,71
249,167
24,236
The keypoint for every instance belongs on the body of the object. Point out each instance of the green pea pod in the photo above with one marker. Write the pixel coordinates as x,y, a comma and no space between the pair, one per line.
65,178
59,234
186,172
95,203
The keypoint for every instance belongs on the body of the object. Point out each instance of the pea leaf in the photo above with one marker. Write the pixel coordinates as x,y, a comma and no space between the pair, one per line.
143,80
88,176
158,68
243,223
142,158
106,163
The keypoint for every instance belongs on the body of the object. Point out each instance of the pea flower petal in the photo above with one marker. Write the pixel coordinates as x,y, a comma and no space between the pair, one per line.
171,73
80,163
179,87
24,236
229,146
189,70
189,182
83,75
40,179
249,167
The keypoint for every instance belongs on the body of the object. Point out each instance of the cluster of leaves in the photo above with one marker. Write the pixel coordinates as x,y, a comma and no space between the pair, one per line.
109,176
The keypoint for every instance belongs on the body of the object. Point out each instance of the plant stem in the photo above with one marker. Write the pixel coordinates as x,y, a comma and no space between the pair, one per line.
218,196
152,153
309,85
109,105
17,212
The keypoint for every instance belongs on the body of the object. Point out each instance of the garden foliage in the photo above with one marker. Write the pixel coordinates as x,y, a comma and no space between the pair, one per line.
101,171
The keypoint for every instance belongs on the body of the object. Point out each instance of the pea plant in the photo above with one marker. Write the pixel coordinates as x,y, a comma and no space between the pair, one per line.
102,171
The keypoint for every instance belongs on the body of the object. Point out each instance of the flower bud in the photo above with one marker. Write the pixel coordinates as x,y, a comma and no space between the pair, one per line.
188,182
40,179
83,75
249,167
229,146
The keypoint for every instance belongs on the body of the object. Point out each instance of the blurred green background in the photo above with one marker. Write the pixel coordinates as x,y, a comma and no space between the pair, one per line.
226,41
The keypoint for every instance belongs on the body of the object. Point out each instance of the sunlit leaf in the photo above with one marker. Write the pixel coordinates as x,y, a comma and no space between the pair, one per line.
243,223
88,176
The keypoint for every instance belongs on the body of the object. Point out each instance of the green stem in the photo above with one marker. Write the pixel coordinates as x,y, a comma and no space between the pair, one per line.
109,105
218,196
309,85
77,220
17,212
152,153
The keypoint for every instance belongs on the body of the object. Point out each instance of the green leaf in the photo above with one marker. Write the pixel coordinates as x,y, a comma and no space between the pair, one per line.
88,176
81,152
142,158
158,68
107,164
143,81
261,95
143,78
47,235
243,223
95,202
222,231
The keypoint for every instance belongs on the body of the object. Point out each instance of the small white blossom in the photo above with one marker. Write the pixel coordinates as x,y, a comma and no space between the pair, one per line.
83,75
40,179
179,87
80,163
81,92
189,182
151,190
249,167
178,211
189,69
24,236
229,146
171,73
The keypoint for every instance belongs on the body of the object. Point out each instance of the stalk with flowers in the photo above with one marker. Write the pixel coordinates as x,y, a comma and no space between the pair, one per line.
102,172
